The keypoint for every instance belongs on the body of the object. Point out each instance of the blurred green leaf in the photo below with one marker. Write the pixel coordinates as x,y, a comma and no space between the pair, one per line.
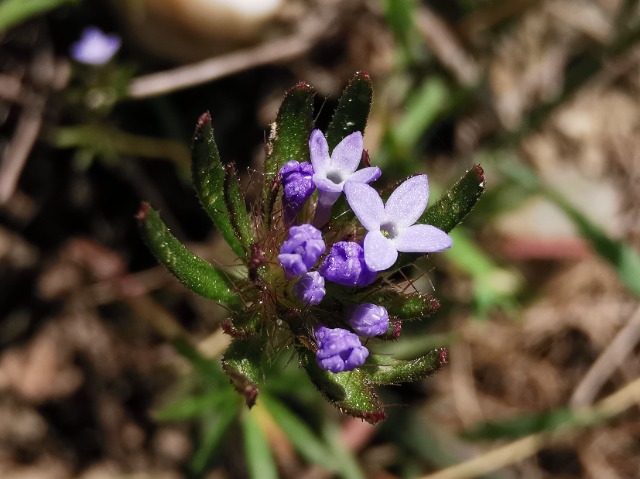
385,370
353,110
209,177
289,139
622,257
423,108
193,272
493,286
209,368
524,425
306,442
213,432
351,392
260,462
348,467
194,406
13,12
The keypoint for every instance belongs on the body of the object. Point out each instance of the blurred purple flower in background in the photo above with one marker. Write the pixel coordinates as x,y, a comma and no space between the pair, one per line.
95,47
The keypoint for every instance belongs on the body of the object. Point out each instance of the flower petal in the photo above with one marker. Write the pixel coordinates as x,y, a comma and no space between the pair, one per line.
365,203
319,152
365,175
347,154
379,252
409,200
422,239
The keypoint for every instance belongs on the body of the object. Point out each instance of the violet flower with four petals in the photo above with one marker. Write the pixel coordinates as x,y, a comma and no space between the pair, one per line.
391,227
332,171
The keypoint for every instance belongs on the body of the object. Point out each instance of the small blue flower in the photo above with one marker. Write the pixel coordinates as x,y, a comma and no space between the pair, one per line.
391,227
301,250
309,289
297,186
339,350
345,265
95,47
332,171
369,320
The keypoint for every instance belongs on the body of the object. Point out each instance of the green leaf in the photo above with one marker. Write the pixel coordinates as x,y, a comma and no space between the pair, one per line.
194,406
288,140
209,177
260,462
214,429
306,442
405,305
353,110
524,425
237,207
351,392
193,272
457,202
384,370
13,12
243,363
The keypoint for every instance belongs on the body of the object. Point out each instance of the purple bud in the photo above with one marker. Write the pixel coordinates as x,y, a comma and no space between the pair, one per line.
95,47
310,288
345,265
339,350
297,186
301,250
369,320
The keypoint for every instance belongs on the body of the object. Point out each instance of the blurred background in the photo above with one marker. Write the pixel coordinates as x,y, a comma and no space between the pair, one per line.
540,309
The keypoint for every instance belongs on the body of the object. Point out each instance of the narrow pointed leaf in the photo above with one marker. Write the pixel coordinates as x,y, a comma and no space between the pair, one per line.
193,272
214,429
384,370
235,201
455,204
351,392
352,112
208,174
289,139
243,363
194,406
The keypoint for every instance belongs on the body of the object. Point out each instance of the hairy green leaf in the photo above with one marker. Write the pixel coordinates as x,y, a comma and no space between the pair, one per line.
209,176
288,140
352,112
384,370
405,305
244,363
351,392
457,202
192,271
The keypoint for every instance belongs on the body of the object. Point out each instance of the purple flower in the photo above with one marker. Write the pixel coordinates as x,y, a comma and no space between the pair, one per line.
369,320
345,265
297,186
391,227
95,47
301,250
332,171
339,350
309,289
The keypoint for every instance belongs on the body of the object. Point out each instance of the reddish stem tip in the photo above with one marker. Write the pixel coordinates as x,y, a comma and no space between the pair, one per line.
202,121
479,174
143,211
443,356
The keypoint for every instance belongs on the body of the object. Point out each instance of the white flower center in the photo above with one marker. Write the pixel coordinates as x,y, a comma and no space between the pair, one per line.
389,229
335,176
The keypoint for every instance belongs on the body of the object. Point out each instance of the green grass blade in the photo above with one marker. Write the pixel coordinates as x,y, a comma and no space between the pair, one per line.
13,12
260,462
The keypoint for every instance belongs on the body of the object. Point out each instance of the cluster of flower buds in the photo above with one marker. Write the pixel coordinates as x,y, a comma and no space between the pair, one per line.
390,229
321,249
